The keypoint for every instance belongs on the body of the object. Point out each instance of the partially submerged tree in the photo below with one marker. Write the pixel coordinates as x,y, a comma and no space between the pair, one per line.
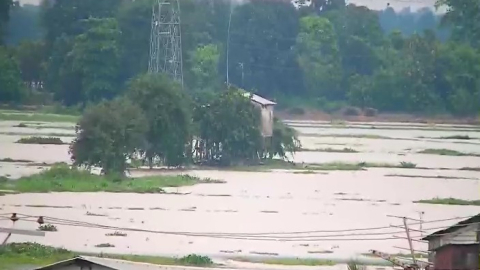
167,110
107,135
284,140
229,129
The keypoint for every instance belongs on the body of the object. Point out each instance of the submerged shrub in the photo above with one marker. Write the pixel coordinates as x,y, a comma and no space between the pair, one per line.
197,260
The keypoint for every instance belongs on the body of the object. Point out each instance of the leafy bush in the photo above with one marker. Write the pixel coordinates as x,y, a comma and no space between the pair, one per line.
108,134
32,250
352,111
47,228
370,112
407,165
196,260
41,140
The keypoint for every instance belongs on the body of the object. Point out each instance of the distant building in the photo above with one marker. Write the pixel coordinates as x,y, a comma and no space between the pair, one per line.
456,247
266,107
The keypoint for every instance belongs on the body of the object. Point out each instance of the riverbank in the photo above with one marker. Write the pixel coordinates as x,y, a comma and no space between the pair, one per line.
317,115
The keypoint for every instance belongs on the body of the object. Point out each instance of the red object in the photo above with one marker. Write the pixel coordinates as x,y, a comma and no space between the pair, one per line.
457,257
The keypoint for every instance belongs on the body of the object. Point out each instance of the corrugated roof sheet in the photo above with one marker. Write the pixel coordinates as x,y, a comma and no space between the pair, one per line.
260,100
119,264
453,228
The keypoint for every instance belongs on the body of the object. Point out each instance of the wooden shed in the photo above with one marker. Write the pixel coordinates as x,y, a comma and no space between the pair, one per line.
456,247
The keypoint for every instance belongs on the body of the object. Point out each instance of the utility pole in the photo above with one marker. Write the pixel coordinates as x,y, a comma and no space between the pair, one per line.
407,229
14,218
243,74
166,40
228,39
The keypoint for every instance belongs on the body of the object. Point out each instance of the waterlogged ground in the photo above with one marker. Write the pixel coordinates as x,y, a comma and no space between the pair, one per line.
264,202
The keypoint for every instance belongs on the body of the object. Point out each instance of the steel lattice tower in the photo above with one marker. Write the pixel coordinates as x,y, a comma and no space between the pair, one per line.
166,40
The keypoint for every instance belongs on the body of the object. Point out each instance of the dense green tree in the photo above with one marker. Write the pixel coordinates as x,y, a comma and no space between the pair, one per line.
107,135
31,59
464,17
24,24
11,87
167,109
229,128
95,57
262,55
5,6
205,67
134,20
319,58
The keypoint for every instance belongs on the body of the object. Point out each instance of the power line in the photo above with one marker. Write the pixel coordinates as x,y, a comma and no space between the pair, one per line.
245,236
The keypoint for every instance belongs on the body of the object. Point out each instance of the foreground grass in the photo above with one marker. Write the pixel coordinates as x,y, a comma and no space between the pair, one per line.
21,254
288,261
60,178
449,201
447,152
38,117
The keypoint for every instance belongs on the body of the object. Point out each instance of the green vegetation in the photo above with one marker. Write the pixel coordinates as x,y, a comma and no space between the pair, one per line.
450,201
15,160
116,233
61,178
288,261
16,255
107,135
21,254
457,137
446,152
329,150
363,62
104,245
41,140
38,117
196,260
47,228
427,176
476,169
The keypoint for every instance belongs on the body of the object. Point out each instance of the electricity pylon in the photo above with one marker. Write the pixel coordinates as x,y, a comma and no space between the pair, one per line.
166,40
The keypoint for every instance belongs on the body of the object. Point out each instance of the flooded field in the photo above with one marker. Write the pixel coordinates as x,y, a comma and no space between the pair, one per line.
265,205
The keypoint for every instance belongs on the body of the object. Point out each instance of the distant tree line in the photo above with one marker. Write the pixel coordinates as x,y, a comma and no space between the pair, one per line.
325,54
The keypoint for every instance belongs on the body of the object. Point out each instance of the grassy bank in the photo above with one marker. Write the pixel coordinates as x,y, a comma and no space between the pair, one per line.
277,164
450,201
288,261
60,178
447,152
37,117
329,150
21,254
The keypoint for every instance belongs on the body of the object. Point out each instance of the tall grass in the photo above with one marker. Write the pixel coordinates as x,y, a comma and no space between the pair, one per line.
450,201
61,178
37,117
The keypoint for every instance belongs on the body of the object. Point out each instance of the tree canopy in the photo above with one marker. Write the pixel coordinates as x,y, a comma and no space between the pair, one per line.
322,53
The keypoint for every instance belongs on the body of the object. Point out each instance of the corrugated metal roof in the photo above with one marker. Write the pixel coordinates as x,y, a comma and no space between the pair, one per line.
258,99
453,228
119,264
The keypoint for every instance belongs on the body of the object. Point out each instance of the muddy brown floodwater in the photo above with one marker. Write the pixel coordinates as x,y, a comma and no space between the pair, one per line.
265,202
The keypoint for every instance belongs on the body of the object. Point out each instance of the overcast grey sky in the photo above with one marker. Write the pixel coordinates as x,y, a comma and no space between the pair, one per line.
374,4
